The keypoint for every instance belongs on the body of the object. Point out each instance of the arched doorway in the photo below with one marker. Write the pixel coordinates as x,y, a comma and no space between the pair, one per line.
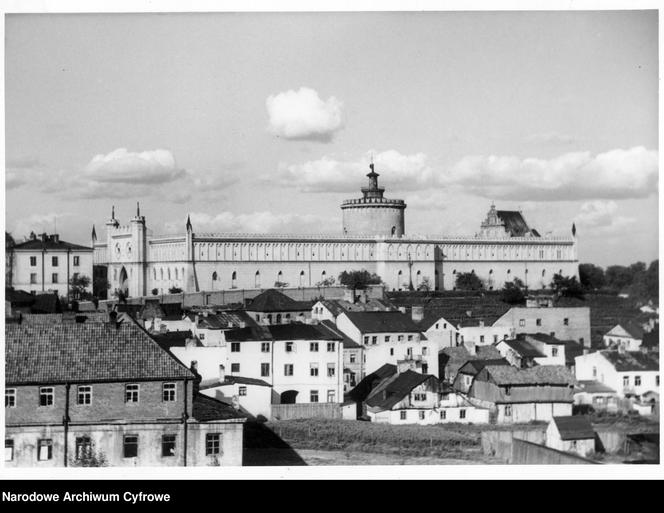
124,281
288,397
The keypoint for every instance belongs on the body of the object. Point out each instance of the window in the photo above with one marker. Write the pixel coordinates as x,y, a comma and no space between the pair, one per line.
402,414
419,396
554,351
436,325
366,339
242,391
594,372
54,261
212,444
522,323
443,414
331,370
538,322
33,277
46,396
54,278
462,413
201,335
77,261
289,347
508,410
235,347
410,338
168,392
130,446
331,346
33,261
131,393
288,369
351,357
313,347
313,396
391,351
566,321
421,415
481,338
409,351
235,368
657,380
265,347
9,449
313,369
331,396
425,368
265,369
167,445
84,394
637,381
45,450
581,340
625,381
387,338
83,447
400,338
424,351
10,398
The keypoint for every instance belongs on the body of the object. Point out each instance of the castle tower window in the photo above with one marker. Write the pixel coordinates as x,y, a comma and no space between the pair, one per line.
278,318
161,273
280,276
234,280
257,280
176,273
214,276
154,274
301,278
399,279
169,273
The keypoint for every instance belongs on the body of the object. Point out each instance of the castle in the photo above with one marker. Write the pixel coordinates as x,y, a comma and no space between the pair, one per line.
373,238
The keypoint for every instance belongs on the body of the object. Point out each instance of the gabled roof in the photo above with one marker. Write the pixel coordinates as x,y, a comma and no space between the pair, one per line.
274,301
49,244
174,339
632,360
88,352
524,348
232,380
395,389
383,322
46,303
370,381
207,409
299,331
473,367
19,297
546,339
515,224
339,306
454,357
634,330
593,387
248,334
574,427
223,320
348,342
503,375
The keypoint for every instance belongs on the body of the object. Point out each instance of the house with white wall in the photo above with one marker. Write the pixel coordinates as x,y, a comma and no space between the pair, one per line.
552,347
626,335
572,433
249,395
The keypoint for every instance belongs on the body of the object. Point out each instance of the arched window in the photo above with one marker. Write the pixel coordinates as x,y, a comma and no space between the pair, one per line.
509,271
278,318
288,317
269,318
234,280
418,277
543,273
301,278
323,276
176,273
169,273
257,280
214,276
280,276
161,273
490,271
154,273
399,278
394,231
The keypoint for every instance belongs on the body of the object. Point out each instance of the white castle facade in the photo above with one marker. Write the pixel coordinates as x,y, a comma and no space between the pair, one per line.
373,238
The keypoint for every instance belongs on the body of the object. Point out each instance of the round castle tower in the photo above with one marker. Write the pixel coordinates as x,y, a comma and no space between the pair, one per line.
373,214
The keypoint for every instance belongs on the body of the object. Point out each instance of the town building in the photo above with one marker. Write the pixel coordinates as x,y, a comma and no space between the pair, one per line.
571,434
251,396
626,335
104,393
373,237
598,396
451,359
353,360
520,353
45,263
274,307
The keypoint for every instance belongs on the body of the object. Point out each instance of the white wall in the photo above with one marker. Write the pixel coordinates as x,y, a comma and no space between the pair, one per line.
22,270
257,401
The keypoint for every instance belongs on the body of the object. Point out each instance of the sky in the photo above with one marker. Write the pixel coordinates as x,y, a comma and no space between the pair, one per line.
266,122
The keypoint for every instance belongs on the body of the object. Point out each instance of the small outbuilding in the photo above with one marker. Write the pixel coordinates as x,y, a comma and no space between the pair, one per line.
572,433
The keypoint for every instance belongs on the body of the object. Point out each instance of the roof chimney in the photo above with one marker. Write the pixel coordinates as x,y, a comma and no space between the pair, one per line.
417,313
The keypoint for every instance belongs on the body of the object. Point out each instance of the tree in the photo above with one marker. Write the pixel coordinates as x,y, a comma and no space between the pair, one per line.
567,287
280,284
591,276
425,284
468,281
512,292
175,290
359,280
155,292
100,286
89,458
78,285
618,277
327,282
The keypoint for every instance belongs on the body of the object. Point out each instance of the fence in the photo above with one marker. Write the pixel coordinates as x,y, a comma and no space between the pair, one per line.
499,443
528,453
306,411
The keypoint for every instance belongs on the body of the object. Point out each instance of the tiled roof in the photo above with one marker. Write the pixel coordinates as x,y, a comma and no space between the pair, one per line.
538,375
546,339
207,409
348,342
370,381
454,357
224,319
338,306
86,352
274,301
49,244
634,330
65,317
396,388
524,348
632,361
515,224
248,334
174,339
383,322
232,380
574,427
472,367
593,387
299,331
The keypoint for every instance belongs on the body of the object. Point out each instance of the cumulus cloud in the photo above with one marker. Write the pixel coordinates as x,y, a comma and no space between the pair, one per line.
602,215
258,222
303,115
327,174
615,174
122,166
37,223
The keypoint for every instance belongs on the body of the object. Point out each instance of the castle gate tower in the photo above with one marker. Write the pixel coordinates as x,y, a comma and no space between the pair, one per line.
373,214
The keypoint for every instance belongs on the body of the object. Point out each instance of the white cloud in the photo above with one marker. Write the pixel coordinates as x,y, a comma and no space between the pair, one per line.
257,222
37,223
122,166
327,174
602,216
616,174
303,115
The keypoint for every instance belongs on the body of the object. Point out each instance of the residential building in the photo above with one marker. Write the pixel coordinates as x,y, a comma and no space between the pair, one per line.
571,434
76,391
274,307
523,395
45,263
451,359
250,396
467,372
353,357
596,395
553,348
520,353
627,335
